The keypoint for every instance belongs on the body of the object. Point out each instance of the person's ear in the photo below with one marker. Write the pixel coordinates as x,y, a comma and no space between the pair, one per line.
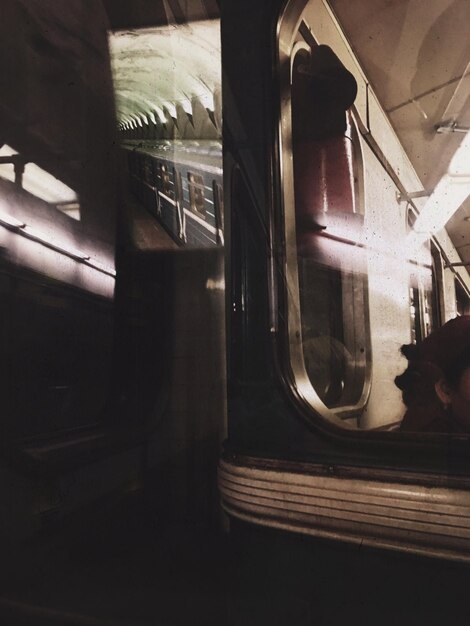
443,392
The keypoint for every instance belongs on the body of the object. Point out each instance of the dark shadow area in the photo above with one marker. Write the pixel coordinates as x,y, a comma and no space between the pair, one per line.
126,565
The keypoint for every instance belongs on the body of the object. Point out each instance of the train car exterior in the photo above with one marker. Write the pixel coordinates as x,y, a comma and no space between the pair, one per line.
330,271
180,182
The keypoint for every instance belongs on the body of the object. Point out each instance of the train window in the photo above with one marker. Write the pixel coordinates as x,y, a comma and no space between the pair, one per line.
196,193
424,288
173,70
332,328
7,167
165,183
363,274
435,293
462,298
148,170
422,307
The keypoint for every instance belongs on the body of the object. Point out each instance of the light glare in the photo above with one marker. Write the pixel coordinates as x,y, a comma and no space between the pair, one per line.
449,194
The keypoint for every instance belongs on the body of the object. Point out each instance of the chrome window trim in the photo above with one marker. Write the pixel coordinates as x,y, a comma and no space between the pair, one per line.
438,274
390,514
288,44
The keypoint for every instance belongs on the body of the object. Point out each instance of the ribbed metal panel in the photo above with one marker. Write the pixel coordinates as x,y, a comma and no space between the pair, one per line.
406,517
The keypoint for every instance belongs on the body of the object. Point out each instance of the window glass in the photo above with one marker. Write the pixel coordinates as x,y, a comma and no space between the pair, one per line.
462,298
424,289
196,193
328,207
166,183
375,185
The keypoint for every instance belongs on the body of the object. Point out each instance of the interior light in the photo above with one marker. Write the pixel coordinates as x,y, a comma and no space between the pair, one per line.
72,209
448,195
171,109
446,198
161,115
207,100
45,186
7,150
215,285
187,107
38,182
460,163
7,172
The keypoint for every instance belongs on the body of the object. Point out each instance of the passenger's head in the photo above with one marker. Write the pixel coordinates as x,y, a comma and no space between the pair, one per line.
437,379
453,390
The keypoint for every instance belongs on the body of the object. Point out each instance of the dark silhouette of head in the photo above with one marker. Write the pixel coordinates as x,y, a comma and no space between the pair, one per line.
436,383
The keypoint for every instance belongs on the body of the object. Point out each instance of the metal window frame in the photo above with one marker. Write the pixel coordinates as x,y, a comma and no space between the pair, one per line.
291,33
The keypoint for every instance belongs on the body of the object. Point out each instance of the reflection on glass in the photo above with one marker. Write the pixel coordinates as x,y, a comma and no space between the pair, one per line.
329,228
168,91
38,182
378,216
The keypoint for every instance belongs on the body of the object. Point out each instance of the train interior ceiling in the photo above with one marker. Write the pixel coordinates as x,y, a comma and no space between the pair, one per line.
158,313
428,110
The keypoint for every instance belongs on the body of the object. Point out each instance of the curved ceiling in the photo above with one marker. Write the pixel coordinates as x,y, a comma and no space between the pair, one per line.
158,71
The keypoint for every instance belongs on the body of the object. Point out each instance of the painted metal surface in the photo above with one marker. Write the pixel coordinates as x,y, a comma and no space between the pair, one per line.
431,521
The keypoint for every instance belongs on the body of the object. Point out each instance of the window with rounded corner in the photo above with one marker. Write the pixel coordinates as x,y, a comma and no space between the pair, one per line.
462,298
164,180
196,193
372,239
